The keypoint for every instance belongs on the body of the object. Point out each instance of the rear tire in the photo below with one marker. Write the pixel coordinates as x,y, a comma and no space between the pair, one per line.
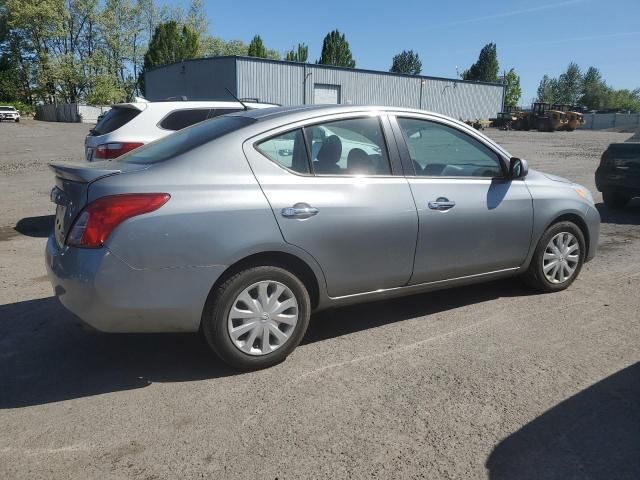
615,200
256,295
542,274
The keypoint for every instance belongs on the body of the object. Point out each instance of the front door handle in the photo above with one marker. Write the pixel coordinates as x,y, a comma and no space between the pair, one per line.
442,204
299,210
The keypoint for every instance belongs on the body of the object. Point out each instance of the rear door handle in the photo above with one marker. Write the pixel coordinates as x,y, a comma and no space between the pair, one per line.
299,210
442,204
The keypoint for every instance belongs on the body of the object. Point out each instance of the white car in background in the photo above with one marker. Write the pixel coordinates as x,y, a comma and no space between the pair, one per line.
9,113
128,126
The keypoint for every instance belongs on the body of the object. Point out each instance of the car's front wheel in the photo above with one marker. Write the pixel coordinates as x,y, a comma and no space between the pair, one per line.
558,258
257,317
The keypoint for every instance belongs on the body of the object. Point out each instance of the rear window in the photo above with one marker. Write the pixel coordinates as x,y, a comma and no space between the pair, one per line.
184,140
114,119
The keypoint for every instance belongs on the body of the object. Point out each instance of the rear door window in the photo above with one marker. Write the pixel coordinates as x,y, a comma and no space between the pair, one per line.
349,147
114,119
179,119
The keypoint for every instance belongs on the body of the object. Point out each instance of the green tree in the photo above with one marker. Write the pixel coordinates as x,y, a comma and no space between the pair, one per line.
595,92
406,62
624,100
171,44
336,51
570,85
547,90
216,46
513,90
257,48
196,18
301,54
486,68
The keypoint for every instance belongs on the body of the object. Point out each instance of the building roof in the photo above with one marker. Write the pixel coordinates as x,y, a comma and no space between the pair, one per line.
329,67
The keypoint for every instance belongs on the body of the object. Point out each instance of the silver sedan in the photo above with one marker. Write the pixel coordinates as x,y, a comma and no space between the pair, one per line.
243,225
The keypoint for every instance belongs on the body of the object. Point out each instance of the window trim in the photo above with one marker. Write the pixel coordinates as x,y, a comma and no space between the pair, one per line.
312,172
182,110
405,155
256,143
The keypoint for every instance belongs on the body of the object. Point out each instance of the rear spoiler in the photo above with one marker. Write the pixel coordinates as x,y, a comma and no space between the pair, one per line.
81,173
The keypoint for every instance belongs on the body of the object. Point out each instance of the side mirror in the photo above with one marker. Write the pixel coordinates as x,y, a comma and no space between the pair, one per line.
518,168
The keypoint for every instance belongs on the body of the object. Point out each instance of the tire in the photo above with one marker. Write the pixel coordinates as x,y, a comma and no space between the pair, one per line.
615,200
217,321
535,275
17,120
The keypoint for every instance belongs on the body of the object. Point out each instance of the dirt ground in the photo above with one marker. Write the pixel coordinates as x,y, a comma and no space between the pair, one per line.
489,381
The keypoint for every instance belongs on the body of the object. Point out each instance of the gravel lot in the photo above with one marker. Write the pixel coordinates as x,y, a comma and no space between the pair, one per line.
488,381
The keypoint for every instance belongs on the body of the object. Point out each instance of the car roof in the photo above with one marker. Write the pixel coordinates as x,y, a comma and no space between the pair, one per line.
291,114
304,110
187,104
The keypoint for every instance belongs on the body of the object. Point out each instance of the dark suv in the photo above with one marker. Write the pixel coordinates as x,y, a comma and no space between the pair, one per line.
618,176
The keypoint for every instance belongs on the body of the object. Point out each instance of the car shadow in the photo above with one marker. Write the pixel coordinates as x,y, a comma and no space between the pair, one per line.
345,320
39,227
594,434
48,355
630,215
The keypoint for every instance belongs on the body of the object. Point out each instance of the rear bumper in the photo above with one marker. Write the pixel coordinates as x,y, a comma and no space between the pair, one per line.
111,296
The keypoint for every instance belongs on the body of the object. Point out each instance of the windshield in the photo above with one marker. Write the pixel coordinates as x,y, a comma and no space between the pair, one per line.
7,109
184,140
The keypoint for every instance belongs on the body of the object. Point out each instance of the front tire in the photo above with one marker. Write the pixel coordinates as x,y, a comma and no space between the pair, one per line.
615,200
257,317
558,258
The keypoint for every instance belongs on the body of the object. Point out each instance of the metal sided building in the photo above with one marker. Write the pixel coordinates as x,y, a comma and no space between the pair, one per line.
290,83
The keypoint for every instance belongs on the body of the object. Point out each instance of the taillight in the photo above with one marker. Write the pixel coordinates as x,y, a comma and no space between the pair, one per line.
98,219
108,151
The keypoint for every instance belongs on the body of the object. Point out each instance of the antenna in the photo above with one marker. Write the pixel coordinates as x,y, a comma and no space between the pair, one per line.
237,99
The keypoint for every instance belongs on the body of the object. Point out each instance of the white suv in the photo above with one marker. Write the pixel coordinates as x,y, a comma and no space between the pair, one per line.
129,125
9,113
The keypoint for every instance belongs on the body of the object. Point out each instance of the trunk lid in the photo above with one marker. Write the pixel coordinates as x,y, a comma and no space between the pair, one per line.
72,183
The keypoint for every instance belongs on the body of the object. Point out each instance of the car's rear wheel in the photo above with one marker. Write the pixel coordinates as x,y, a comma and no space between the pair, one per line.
257,317
558,258
615,200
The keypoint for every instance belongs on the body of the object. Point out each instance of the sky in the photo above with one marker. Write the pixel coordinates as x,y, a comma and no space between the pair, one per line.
534,37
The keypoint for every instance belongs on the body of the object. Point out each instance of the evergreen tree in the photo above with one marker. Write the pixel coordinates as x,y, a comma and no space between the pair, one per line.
336,51
170,44
301,54
257,48
486,68
406,62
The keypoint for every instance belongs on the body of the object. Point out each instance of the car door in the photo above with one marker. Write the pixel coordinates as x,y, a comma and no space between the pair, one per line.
472,218
347,206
